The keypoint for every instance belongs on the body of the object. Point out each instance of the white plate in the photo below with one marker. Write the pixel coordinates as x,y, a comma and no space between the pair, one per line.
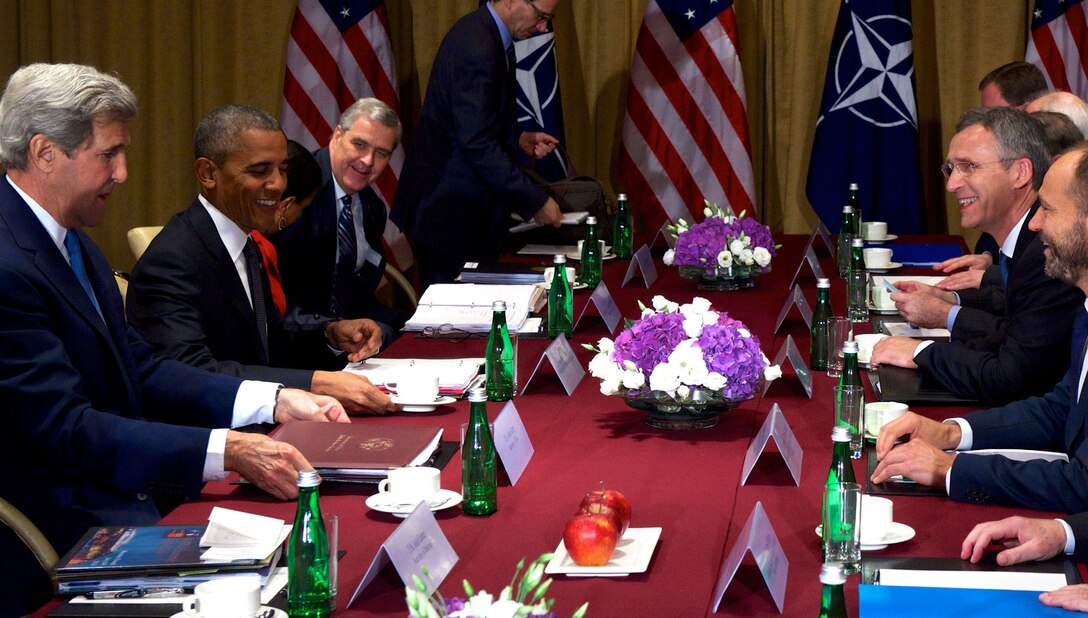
444,499
577,257
890,266
877,241
896,533
276,613
421,406
632,555
577,285
881,310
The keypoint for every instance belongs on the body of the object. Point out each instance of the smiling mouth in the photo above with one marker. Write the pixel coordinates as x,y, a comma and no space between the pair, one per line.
967,201
266,203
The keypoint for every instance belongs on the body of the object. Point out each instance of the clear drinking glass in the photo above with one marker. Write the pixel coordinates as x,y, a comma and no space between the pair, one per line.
842,525
850,413
838,332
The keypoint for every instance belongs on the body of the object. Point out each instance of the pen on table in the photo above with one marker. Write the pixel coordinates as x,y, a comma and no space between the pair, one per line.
138,593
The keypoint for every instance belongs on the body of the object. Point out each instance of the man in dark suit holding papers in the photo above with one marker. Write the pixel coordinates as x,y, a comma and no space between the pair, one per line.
1053,422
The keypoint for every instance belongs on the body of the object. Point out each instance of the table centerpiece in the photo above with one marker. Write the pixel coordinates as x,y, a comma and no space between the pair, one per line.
723,252
683,365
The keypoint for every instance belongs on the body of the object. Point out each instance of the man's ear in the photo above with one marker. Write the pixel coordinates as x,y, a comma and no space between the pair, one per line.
205,170
1025,172
42,153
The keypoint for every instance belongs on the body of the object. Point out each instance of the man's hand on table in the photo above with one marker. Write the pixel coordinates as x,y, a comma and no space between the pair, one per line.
360,338
923,305
1024,539
923,458
897,351
974,261
271,465
968,279
1068,597
356,393
293,404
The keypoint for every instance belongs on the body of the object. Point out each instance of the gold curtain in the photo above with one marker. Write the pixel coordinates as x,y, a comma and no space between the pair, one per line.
184,57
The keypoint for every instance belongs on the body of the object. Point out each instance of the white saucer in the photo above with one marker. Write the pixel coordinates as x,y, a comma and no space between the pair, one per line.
890,266
896,533
577,257
276,613
878,241
577,285
444,499
881,310
422,406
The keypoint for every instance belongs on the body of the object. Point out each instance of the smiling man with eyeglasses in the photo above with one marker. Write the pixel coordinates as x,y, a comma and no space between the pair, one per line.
461,181
1011,330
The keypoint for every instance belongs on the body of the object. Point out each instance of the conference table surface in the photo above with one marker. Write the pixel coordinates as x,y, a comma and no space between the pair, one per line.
685,482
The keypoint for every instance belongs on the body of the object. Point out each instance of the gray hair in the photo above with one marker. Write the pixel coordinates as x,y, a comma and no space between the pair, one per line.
63,102
372,109
219,133
1018,136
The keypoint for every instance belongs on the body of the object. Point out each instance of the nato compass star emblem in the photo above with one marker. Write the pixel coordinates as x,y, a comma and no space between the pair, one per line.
873,72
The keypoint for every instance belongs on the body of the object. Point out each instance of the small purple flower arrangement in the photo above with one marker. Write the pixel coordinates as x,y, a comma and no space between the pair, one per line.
720,242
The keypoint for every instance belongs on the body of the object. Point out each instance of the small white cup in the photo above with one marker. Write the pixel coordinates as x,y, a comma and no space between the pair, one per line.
410,485
865,345
229,597
549,272
874,230
881,297
877,257
415,386
880,413
876,519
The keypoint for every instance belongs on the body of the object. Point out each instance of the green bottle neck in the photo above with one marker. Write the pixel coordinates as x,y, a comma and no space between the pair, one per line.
498,320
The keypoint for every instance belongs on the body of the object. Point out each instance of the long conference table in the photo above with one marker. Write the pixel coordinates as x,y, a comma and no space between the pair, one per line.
686,482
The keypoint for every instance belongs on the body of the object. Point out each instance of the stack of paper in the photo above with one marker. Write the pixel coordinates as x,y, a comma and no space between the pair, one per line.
467,306
569,218
454,374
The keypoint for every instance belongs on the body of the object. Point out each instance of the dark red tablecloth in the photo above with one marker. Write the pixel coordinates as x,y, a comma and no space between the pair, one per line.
686,482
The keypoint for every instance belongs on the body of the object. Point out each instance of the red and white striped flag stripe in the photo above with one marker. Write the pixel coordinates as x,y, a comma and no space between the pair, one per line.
685,131
334,59
1059,44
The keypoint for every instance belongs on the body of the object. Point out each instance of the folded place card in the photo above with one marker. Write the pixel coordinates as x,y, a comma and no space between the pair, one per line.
821,231
796,298
644,263
774,426
606,306
759,537
813,262
512,442
790,351
667,234
565,363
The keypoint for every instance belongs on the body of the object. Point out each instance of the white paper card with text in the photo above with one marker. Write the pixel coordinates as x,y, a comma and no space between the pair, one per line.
602,299
775,426
512,442
796,297
759,537
789,350
813,262
643,262
565,363
417,543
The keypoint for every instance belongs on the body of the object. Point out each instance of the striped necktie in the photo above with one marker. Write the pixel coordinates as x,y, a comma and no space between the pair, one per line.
256,290
75,257
347,252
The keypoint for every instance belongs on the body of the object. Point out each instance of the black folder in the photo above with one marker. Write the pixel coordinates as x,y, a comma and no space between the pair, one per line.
913,387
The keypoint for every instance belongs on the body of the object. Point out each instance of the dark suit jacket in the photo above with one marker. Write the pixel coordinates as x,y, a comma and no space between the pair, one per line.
1054,422
460,180
186,299
307,261
1025,353
78,395
1079,523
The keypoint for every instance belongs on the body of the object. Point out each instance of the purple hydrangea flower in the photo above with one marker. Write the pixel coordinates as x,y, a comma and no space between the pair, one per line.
701,244
736,357
649,341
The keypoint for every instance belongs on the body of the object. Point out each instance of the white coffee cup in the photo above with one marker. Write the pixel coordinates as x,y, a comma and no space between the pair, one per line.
410,485
877,257
865,345
880,413
881,297
229,597
876,519
549,273
874,230
415,386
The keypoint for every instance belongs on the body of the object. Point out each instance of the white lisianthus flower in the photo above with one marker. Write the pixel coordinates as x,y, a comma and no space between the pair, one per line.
710,317
478,605
633,379
683,391
725,259
606,345
762,256
747,240
629,365
707,212
746,257
693,326
647,311
610,386
665,377
669,257
772,372
507,608
682,225
700,304
747,334
715,381
736,246
664,305
688,359
601,366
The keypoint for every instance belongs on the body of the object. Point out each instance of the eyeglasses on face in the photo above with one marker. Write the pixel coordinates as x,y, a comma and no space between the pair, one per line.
541,16
966,168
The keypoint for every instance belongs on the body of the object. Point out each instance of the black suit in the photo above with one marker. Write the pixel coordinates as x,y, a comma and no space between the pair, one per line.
79,392
1026,352
185,297
1079,523
307,260
460,181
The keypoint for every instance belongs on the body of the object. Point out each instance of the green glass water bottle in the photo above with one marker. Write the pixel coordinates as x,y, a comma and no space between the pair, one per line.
621,229
850,374
842,467
308,554
499,356
818,352
846,239
478,459
833,598
591,255
857,285
855,203
560,301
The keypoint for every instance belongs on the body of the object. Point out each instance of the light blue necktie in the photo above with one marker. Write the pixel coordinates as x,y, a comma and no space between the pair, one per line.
75,256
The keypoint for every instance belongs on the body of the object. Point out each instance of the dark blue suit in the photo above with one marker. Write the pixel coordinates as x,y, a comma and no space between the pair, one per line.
1055,422
77,395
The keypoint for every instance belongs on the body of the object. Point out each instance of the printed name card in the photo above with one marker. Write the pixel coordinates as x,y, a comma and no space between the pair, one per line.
512,442
416,544
606,306
643,262
790,351
670,238
814,263
566,365
777,427
759,537
796,297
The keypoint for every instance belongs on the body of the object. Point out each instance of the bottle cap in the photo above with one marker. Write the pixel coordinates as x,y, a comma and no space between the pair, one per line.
498,305
477,394
858,242
622,196
823,283
308,478
847,209
559,259
850,346
853,186
832,573
591,220
840,434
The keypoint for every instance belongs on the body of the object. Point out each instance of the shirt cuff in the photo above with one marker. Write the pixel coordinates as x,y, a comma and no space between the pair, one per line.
213,461
254,403
967,437
921,346
952,313
1070,540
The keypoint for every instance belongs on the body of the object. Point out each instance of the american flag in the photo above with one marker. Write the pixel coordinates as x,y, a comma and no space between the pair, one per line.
339,52
685,131
1059,44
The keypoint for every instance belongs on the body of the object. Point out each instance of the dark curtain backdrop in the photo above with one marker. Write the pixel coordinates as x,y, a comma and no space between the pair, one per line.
184,57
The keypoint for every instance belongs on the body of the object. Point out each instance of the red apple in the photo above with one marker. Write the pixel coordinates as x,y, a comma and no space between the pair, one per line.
595,504
590,538
614,500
